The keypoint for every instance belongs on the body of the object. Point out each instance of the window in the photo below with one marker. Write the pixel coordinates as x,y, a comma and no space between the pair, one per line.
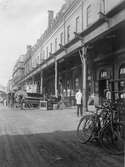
122,71
55,44
61,38
43,55
102,6
103,74
51,47
39,58
46,52
68,33
77,24
30,64
89,14
122,81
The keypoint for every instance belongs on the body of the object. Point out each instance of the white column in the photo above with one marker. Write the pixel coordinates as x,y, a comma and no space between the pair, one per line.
84,67
56,90
41,85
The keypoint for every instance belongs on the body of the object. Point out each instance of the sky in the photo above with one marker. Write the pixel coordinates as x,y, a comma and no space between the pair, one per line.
22,22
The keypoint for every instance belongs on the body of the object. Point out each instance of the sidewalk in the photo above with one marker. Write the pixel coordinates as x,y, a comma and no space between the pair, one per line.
69,111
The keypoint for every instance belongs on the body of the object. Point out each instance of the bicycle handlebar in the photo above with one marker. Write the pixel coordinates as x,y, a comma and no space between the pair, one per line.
98,107
108,107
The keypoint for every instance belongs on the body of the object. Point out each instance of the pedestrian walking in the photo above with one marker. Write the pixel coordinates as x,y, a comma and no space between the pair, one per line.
78,98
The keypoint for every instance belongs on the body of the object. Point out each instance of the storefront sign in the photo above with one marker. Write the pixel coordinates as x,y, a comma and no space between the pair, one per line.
122,71
103,74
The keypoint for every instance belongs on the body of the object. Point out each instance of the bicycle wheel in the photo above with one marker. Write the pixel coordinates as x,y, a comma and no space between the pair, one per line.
85,129
113,139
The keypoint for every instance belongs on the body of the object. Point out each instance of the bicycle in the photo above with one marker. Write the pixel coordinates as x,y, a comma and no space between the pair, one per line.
104,127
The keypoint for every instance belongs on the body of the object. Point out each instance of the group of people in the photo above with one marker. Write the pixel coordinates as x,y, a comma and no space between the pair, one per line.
21,94
17,97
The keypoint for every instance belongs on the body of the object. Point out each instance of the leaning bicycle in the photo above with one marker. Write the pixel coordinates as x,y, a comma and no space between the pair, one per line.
103,126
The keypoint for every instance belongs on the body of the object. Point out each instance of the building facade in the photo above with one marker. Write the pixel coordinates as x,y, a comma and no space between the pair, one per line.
83,47
18,73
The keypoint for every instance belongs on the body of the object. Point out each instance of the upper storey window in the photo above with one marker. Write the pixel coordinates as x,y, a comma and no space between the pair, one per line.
68,33
89,14
41,55
44,56
47,53
77,24
55,44
51,47
102,6
61,38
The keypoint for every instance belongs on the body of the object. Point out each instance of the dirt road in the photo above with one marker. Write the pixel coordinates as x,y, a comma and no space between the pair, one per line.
47,139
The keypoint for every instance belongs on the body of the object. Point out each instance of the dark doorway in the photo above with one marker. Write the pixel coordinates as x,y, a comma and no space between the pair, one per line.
102,88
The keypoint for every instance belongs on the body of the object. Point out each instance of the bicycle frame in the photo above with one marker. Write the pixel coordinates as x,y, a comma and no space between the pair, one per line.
100,121
103,126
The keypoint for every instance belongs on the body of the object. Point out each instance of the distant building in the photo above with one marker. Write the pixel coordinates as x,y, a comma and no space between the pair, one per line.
18,73
3,93
10,85
3,88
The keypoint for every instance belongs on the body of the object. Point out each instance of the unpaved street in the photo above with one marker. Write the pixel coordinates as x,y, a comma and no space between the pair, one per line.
47,139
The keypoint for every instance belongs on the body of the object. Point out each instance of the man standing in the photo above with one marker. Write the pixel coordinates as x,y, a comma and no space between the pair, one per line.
78,98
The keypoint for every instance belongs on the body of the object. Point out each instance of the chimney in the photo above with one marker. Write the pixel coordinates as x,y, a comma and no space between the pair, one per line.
29,49
50,17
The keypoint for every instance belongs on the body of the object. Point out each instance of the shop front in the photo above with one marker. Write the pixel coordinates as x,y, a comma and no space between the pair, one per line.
49,81
69,78
121,83
32,85
106,66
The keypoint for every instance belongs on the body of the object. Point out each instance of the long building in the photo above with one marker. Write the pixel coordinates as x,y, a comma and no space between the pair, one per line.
82,47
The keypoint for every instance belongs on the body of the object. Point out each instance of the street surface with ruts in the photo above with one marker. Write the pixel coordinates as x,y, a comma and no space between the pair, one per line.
47,139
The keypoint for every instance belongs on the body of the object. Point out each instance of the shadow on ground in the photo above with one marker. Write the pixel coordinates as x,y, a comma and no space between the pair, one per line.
57,149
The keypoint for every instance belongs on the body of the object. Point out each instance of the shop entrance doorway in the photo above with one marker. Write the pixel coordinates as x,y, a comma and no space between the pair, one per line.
104,85
102,88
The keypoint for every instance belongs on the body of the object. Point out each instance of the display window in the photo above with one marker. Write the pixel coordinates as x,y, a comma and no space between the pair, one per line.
122,81
105,85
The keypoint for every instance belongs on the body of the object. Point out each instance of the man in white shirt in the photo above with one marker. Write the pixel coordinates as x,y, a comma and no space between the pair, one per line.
78,98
